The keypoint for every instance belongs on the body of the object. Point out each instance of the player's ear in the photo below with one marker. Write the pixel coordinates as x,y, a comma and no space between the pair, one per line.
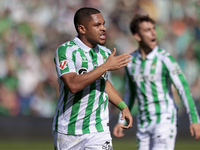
137,37
82,29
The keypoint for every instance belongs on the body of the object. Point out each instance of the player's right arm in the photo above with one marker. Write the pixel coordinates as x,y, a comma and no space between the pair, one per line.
76,82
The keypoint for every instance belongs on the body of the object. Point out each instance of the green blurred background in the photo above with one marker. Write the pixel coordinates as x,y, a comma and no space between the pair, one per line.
30,32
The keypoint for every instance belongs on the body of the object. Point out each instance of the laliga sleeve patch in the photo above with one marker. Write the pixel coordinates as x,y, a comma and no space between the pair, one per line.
63,64
177,70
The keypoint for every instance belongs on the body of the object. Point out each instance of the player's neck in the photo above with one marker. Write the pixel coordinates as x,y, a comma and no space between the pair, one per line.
144,51
85,41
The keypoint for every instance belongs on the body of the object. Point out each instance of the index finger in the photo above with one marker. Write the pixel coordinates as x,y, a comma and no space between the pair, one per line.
128,126
124,56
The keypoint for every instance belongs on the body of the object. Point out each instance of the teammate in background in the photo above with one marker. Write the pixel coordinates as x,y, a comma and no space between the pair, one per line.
149,77
81,118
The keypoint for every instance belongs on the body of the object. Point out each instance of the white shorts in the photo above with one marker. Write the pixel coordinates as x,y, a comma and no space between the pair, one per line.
93,141
157,136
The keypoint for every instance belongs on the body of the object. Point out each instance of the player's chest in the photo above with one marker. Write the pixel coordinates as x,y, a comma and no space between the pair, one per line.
87,62
148,71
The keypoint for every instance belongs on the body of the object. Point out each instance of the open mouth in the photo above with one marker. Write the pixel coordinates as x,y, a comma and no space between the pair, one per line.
103,36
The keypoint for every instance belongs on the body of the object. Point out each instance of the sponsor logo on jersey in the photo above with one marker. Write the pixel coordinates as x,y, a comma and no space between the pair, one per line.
82,71
141,77
63,64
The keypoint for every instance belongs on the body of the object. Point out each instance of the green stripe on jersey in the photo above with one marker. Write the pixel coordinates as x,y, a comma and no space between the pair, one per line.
103,53
131,85
74,112
194,115
84,63
164,84
172,119
88,111
98,120
106,103
144,94
93,57
56,124
103,82
66,91
164,81
76,102
154,90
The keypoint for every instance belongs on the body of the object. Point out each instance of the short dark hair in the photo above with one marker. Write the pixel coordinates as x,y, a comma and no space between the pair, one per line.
84,14
138,18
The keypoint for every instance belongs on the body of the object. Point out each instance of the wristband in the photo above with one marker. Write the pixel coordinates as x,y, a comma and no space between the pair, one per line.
121,105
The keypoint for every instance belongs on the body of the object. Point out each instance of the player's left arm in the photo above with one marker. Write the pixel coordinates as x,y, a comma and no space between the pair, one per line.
115,99
178,79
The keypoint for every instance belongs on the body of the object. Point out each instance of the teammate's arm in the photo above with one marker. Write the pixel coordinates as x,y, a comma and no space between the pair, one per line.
115,99
76,82
129,98
179,81
195,130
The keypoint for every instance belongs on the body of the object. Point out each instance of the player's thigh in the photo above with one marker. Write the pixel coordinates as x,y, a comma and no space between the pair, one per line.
99,141
143,139
67,142
164,137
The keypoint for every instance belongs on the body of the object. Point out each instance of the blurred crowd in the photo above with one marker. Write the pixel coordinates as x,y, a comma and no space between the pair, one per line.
31,30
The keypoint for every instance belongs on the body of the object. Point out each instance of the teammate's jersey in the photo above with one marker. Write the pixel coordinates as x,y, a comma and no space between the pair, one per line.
87,110
150,81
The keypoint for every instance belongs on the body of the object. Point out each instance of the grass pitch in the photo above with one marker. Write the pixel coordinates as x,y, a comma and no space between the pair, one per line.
118,144
181,144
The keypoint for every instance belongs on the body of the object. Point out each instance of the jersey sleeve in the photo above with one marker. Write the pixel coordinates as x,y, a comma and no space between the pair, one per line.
178,79
64,60
130,92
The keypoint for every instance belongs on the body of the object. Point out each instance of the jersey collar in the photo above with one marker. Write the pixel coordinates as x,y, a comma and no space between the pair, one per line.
152,54
83,46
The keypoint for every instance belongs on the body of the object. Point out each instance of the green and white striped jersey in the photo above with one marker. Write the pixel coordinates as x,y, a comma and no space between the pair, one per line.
87,110
150,81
